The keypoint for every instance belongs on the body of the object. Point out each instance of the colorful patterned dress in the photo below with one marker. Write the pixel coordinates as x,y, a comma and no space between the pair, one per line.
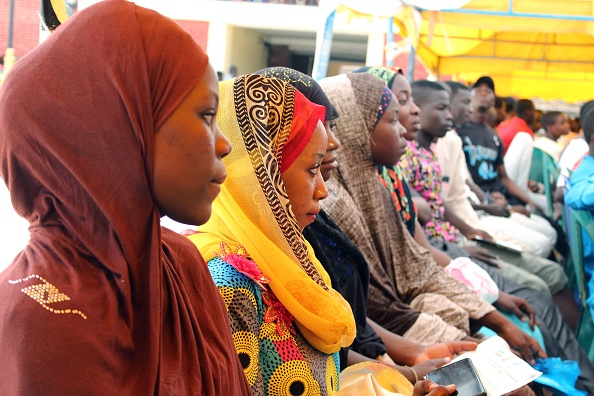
276,359
421,168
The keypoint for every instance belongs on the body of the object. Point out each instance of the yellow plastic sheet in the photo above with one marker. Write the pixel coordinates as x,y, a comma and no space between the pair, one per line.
534,57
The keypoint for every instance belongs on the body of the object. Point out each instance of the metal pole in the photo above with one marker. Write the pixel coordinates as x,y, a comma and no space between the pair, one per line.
410,72
10,23
323,47
389,41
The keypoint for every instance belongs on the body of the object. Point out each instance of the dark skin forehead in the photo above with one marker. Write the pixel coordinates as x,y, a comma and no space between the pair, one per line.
424,94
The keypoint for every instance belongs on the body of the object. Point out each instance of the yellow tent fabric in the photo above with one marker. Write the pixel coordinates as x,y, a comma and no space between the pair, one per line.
528,55
405,18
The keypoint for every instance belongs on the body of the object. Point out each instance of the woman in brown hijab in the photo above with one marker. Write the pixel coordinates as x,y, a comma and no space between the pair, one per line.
104,128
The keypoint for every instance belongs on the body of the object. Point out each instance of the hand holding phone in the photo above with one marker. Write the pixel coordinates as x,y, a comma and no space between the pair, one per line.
429,388
462,374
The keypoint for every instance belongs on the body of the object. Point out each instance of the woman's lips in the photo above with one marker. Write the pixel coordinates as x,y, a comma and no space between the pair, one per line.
311,216
331,163
217,182
220,179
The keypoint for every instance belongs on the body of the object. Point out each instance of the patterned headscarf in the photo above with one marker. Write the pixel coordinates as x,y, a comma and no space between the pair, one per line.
384,73
253,210
385,100
305,118
392,177
304,84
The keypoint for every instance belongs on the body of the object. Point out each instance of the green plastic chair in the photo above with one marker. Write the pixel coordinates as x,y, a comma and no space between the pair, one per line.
536,168
581,220
544,170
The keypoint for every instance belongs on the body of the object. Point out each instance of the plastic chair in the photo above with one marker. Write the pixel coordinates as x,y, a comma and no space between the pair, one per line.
544,170
536,168
568,265
581,224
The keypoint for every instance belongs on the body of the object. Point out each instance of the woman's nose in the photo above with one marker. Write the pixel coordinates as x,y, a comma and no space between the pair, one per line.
222,144
321,190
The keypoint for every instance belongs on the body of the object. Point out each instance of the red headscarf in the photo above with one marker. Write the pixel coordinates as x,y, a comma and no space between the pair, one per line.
305,118
102,300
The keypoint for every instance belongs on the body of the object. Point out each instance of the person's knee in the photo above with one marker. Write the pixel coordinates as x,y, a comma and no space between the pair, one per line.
554,275
523,277
541,245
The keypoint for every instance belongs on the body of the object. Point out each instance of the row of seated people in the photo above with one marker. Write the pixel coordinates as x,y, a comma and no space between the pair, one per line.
472,155
525,132
331,244
121,305
559,149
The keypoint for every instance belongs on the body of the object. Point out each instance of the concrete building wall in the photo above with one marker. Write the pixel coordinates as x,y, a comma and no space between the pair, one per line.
246,50
25,35
198,30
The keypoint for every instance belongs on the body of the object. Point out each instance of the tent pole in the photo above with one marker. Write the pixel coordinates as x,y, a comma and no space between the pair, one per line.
323,47
410,70
511,13
389,40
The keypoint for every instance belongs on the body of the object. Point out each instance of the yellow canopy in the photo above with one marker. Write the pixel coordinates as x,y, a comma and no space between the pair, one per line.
538,49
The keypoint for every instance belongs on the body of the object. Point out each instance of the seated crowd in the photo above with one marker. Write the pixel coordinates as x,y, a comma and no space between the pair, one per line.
338,230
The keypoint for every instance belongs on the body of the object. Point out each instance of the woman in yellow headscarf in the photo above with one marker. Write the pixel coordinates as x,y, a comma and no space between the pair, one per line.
288,323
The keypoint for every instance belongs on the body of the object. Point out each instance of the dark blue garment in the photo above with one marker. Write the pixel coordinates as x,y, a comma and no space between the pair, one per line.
349,273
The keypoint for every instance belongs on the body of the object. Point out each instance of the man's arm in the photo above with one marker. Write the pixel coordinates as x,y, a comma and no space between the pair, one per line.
423,209
490,204
581,194
408,352
559,195
465,228
475,189
492,209
513,188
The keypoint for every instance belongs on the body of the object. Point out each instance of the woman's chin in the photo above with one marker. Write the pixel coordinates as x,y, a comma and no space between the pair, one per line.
411,136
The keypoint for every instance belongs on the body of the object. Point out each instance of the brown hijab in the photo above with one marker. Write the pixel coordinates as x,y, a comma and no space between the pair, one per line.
401,270
103,300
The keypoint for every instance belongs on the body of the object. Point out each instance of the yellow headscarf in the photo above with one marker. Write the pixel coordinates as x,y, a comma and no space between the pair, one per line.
253,210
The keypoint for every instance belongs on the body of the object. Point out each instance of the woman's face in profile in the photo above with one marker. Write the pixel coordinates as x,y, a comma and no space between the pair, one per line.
388,143
189,147
330,161
409,114
303,179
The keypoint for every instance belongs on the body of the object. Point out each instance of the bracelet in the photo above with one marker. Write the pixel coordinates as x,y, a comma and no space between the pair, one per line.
414,373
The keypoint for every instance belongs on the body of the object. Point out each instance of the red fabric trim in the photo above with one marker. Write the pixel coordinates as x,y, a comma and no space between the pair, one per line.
305,118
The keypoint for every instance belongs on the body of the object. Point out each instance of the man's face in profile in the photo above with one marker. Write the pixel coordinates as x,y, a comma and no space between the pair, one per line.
483,98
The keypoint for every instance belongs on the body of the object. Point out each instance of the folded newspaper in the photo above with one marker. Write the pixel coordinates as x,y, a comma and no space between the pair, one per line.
498,368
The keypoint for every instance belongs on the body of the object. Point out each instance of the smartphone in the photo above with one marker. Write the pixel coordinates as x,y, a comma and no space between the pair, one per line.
462,374
510,247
